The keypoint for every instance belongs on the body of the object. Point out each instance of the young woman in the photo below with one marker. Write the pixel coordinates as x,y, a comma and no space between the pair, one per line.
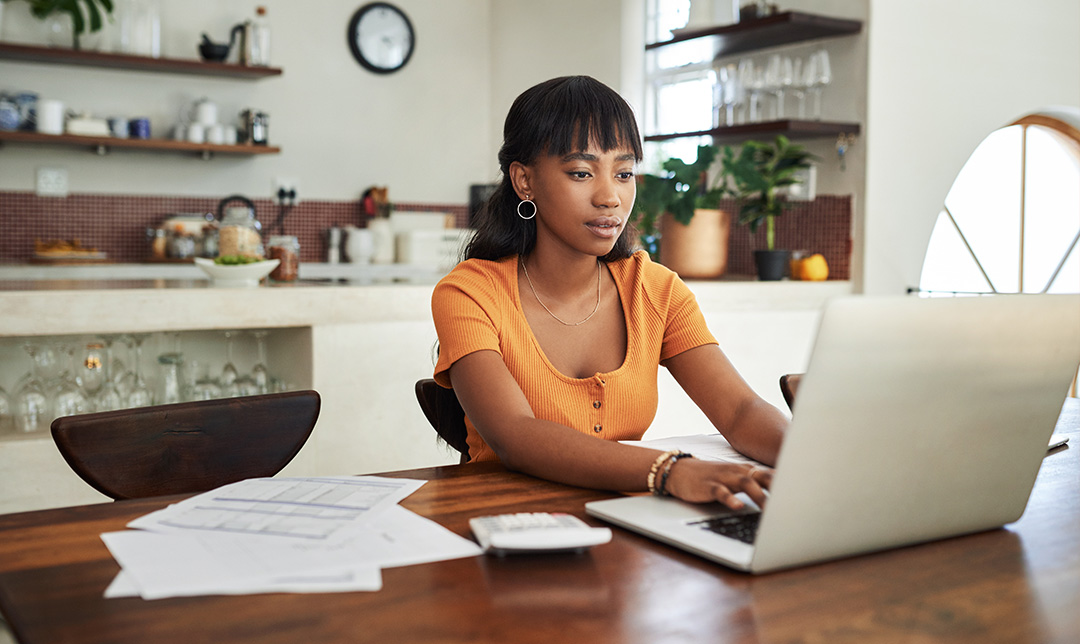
551,332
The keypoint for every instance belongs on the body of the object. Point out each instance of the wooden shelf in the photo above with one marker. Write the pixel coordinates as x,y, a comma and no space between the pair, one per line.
102,144
61,56
784,28
792,129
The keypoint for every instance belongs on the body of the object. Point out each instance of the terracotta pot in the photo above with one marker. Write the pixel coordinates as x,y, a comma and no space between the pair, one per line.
698,250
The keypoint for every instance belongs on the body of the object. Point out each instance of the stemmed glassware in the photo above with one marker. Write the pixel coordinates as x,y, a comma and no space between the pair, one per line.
259,373
204,387
108,397
819,76
69,398
5,409
31,400
229,374
139,394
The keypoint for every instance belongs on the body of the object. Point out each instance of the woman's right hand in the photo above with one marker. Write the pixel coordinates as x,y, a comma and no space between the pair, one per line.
700,481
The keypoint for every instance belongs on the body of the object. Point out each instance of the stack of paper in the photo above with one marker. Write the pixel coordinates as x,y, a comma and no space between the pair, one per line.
279,535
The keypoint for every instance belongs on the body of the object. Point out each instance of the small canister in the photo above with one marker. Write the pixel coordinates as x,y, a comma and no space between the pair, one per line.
256,127
287,249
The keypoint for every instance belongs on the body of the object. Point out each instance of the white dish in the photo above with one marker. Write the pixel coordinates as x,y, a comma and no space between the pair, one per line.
236,274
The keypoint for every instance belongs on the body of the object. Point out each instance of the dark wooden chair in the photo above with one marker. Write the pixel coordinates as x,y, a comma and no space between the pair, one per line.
445,414
789,384
186,447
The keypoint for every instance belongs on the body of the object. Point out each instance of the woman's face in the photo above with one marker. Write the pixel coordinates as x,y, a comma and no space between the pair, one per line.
583,199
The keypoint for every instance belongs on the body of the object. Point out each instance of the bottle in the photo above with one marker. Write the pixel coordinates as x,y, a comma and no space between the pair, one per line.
260,36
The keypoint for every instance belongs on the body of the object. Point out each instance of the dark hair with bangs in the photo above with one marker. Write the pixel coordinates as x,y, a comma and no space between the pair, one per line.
556,117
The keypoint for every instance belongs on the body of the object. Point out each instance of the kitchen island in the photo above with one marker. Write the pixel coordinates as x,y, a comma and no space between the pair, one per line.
362,347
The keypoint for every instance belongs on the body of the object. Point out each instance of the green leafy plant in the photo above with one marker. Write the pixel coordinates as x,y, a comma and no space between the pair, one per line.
680,190
93,16
757,174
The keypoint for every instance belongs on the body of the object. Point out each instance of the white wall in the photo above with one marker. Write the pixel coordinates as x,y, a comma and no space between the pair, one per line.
423,131
533,41
942,76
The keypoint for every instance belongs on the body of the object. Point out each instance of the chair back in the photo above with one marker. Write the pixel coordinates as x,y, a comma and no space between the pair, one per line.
445,414
789,384
186,447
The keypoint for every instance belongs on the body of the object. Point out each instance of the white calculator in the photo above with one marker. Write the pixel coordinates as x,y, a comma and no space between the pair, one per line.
531,532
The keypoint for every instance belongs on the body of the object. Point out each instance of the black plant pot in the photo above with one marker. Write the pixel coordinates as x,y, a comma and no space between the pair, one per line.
771,264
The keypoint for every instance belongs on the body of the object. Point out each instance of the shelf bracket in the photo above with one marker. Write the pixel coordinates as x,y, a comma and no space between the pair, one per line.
207,155
101,150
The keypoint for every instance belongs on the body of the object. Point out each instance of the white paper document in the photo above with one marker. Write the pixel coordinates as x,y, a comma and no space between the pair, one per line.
279,535
710,447
300,508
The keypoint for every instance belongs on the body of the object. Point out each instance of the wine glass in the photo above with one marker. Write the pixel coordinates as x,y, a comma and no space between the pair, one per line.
786,83
229,374
728,82
5,409
108,396
139,394
91,371
259,373
822,77
204,386
772,86
170,387
799,85
69,398
32,404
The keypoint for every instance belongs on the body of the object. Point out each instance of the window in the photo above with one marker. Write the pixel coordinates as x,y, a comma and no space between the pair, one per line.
1011,221
680,83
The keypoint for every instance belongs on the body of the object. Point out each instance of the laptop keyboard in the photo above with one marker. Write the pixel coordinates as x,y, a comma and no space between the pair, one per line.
737,526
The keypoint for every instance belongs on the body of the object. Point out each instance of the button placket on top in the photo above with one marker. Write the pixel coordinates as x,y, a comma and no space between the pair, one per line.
598,396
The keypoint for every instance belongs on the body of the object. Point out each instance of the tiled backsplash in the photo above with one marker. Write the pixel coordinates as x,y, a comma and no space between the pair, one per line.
116,224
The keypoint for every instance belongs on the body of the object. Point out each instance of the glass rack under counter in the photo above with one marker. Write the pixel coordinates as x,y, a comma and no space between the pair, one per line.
45,377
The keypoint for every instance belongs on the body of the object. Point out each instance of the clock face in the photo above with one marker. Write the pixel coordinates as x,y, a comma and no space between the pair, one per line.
381,37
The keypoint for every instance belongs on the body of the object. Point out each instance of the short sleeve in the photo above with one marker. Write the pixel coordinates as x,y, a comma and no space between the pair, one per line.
686,328
674,306
464,306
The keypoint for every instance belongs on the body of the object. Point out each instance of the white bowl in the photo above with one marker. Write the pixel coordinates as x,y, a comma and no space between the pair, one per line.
236,274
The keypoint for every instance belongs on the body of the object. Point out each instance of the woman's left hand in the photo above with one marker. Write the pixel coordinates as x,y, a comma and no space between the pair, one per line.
699,481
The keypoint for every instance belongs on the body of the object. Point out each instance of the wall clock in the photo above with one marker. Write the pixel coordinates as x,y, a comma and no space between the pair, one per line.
381,37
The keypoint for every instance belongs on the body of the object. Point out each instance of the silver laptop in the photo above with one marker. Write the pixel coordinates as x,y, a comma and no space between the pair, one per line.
917,419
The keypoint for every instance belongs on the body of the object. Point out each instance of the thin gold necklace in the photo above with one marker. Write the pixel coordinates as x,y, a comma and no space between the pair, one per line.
564,322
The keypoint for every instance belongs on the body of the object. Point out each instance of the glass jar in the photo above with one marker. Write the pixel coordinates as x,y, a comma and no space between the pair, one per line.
285,248
240,233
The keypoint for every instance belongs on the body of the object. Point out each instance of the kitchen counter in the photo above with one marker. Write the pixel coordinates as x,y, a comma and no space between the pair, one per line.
362,347
354,273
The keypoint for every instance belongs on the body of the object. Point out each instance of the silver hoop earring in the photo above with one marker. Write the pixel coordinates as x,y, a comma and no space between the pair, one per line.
531,203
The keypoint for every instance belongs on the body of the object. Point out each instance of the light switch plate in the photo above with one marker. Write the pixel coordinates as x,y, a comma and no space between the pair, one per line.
52,182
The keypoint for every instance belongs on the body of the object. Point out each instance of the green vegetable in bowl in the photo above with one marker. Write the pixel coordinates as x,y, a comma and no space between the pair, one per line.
235,260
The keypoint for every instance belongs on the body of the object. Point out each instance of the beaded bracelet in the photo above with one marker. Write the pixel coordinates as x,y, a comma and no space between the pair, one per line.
657,464
667,471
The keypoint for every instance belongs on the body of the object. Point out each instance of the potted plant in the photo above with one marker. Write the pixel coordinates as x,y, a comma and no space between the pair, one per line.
756,177
678,217
42,9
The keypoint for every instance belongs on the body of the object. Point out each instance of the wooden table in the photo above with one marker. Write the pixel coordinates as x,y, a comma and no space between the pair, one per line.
1019,584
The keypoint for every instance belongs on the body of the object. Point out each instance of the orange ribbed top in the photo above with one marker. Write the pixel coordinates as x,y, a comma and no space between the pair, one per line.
477,307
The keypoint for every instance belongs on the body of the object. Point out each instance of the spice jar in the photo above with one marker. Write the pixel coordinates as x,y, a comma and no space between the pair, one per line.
287,249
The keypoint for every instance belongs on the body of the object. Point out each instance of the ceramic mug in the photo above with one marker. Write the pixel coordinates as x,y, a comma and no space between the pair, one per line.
215,134
230,135
50,116
119,127
139,128
196,133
